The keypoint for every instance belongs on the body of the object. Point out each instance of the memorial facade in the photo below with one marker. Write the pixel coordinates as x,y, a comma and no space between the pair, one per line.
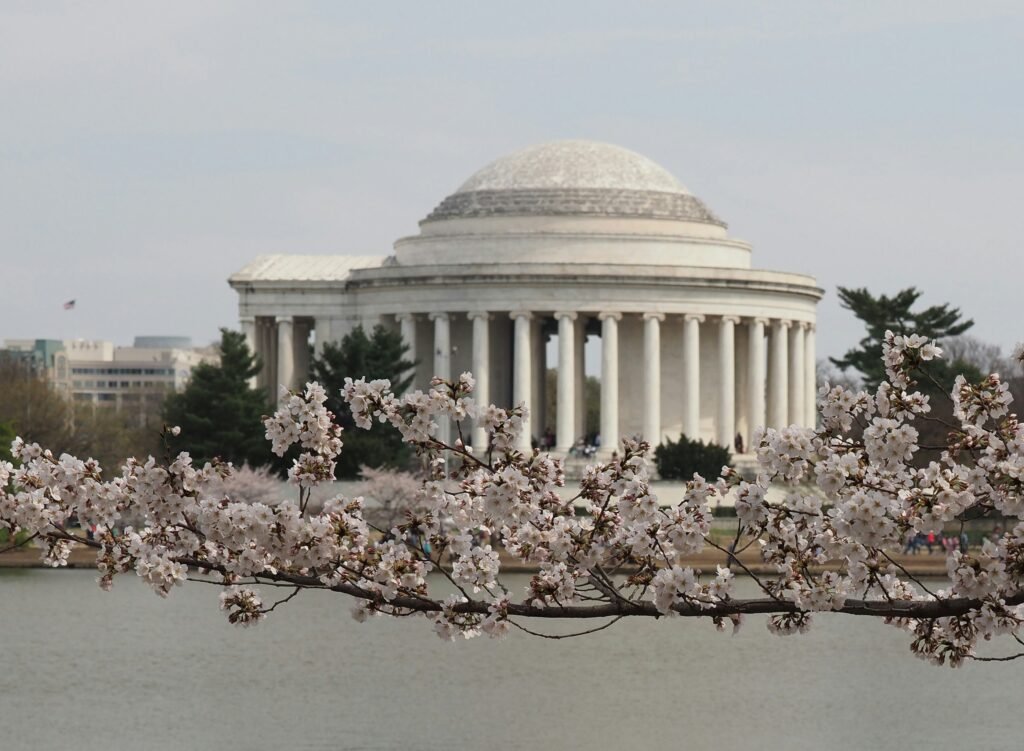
564,240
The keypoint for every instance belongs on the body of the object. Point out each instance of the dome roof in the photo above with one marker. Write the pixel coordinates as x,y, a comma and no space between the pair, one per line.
573,164
574,178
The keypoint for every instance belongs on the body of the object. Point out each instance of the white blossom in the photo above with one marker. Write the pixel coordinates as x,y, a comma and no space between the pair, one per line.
844,497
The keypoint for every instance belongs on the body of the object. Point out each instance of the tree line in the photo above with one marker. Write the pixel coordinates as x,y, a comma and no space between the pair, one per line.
220,414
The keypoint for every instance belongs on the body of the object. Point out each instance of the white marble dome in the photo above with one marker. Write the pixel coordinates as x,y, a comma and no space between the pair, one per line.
574,178
573,164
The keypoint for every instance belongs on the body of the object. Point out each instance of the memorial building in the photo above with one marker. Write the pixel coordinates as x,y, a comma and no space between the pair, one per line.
564,240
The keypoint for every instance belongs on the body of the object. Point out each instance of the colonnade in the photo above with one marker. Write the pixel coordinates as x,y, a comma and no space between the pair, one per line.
778,368
281,342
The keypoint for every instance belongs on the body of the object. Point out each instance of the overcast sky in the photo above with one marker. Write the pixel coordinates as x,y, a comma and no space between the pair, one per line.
147,151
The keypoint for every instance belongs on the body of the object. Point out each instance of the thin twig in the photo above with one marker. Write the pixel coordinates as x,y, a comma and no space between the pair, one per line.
746,570
1008,658
283,600
909,575
602,627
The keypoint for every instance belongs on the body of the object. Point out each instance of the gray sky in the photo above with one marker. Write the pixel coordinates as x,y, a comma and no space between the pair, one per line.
149,150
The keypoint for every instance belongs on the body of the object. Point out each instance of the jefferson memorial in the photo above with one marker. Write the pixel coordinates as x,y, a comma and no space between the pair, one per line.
564,240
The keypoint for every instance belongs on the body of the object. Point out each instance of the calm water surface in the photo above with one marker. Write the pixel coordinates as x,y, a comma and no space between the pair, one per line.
126,670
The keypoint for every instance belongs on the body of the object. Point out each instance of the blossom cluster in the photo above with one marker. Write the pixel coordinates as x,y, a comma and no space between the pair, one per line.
854,492
304,420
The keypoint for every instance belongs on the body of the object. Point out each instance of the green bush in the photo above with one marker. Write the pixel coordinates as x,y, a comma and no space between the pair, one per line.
678,460
5,538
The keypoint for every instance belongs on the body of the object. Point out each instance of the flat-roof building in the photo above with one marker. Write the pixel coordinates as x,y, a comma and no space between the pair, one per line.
99,372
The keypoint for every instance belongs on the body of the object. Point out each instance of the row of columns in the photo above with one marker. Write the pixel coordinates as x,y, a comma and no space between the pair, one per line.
790,372
791,364
281,343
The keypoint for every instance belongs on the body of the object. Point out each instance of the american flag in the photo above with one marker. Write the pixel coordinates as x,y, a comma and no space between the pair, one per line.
69,305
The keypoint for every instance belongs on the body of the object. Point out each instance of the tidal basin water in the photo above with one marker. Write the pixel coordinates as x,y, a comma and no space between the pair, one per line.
126,670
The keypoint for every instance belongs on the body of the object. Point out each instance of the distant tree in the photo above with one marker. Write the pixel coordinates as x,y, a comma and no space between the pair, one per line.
7,435
984,357
108,436
884,313
678,460
220,415
828,373
379,355
987,358
32,408
391,496
939,322
248,485
29,404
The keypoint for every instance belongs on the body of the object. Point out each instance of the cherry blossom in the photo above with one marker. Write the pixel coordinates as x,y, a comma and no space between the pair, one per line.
848,494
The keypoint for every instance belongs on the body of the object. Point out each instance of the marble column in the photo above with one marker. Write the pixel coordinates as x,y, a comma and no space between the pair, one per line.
778,376
796,374
321,335
726,381
249,330
272,358
442,361
565,427
757,378
482,373
691,375
248,324
609,382
300,347
522,372
407,324
810,378
652,378
442,345
538,391
580,371
285,352
266,338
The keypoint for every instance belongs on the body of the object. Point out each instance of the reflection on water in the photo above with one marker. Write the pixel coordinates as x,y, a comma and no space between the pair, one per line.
126,670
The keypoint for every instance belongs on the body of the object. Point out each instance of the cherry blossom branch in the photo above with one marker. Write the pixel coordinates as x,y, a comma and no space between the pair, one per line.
868,497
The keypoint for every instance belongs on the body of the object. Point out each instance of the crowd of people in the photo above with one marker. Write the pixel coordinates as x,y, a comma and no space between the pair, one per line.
942,543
